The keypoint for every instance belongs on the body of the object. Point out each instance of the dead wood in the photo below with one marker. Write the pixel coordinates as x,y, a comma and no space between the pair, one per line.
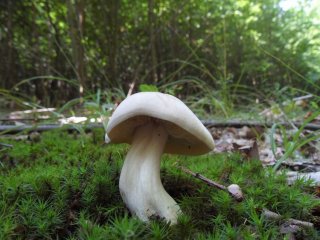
12,129
234,190
209,124
275,216
240,124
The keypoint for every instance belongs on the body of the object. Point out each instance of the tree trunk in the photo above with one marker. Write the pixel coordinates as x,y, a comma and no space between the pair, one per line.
40,92
76,22
152,36
113,33
8,50
174,47
58,64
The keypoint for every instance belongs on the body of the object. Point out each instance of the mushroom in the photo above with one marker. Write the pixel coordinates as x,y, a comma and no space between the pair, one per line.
153,123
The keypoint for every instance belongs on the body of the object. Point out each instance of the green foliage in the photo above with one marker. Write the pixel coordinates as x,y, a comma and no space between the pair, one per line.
238,49
62,188
295,142
148,88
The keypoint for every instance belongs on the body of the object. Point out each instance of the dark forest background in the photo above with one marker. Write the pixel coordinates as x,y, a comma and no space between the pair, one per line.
228,51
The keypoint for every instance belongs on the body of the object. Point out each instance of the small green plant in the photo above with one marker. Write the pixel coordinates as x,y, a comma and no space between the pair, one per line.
291,144
148,88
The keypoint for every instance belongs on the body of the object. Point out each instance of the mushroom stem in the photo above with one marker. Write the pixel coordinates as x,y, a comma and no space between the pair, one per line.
140,183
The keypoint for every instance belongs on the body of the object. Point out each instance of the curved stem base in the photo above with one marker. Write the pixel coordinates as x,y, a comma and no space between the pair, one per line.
140,183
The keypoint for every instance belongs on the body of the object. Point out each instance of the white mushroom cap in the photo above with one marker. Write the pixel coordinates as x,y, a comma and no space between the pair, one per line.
186,134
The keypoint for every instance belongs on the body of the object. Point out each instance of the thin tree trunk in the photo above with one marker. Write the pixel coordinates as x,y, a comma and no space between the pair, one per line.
40,87
113,20
58,65
174,40
152,35
76,22
80,17
8,50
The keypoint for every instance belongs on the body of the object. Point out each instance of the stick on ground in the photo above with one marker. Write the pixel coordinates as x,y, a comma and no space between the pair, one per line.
234,190
275,216
209,124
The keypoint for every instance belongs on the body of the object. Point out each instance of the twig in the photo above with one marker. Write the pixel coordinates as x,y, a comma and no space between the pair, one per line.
302,97
305,166
275,216
131,87
203,178
11,129
39,118
6,145
32,111
239,124
234,190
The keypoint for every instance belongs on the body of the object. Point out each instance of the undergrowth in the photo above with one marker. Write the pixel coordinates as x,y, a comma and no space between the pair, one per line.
65,186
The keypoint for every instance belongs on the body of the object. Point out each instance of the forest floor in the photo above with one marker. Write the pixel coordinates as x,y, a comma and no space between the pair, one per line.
60,185
64,184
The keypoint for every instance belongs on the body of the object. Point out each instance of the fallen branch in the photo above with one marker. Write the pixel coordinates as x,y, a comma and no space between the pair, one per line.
275,216
6,145
240,124
35,119
305,166
234,190
12,129
209,124
303,97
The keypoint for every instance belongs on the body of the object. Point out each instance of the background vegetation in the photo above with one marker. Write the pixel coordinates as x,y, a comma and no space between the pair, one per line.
233,51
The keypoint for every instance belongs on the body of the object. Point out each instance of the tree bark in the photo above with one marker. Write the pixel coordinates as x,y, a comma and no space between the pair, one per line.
113,19
40,91
153,45
7,50
174,40
76,21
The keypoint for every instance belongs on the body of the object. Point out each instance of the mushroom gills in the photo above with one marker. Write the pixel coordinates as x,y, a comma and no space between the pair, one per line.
140,183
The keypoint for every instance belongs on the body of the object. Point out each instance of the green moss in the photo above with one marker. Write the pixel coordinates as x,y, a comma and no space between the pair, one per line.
66,187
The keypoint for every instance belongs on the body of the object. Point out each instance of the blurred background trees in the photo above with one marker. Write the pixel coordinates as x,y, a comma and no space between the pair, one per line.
54,51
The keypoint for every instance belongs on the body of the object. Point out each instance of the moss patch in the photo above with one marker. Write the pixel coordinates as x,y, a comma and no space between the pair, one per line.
66,187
